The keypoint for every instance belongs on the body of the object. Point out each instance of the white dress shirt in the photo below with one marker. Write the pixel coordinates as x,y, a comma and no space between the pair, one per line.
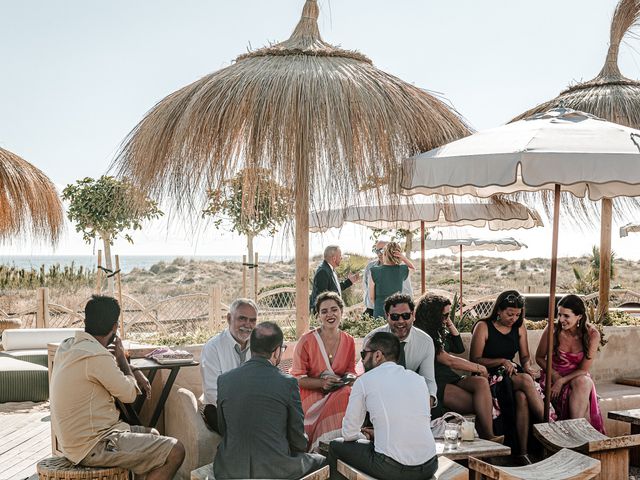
419,355
397,402
219,355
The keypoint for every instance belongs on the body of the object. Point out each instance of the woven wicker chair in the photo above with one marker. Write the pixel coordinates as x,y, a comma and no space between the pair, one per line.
59,468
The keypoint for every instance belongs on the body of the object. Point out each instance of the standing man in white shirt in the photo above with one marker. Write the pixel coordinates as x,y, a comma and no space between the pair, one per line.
400,445
326,279
417,352
226,351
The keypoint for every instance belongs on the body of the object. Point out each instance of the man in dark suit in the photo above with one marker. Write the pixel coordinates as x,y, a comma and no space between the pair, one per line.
326,278
260,416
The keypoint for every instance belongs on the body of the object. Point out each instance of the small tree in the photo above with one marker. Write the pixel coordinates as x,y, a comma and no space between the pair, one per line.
106,207
250,215
397,236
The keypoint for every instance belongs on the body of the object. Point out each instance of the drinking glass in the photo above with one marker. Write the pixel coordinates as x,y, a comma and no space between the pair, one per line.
467,429
451,435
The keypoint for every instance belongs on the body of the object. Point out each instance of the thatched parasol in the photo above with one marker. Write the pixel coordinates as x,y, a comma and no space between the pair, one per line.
615,98
323,120
29,202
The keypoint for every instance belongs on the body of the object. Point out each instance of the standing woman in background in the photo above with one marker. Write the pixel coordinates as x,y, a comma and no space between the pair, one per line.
575,343
386,279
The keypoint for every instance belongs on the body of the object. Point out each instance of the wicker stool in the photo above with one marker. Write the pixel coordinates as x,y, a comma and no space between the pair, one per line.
59,468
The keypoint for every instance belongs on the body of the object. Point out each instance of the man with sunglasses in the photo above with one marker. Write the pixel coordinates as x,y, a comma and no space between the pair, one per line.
378,249
417,351
396,399
260,416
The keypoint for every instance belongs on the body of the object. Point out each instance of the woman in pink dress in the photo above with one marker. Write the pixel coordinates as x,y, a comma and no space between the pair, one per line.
575,343
321,360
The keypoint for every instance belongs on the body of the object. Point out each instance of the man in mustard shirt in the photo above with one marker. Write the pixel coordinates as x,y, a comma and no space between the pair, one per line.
85,379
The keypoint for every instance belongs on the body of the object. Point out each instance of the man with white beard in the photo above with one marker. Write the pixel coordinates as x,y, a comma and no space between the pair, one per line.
226,351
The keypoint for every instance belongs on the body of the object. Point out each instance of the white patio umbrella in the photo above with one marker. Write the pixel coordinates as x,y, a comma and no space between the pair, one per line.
561,149
504,215
629,228
456,245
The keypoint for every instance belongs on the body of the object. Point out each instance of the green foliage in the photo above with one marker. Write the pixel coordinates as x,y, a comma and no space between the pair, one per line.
352,264
397,236
67,277
588,282
106,207
249,215
358,326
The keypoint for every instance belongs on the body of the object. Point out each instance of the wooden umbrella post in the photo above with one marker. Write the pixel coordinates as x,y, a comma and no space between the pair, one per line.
423,268
604,277
99,274
302,246
552,298
255,277
119,287
244,276
460,299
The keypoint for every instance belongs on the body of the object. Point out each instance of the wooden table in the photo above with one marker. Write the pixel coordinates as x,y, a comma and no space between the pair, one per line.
132,410
477,448
632,417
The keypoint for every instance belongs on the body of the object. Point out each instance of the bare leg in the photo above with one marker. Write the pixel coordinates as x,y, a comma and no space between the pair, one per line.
524,383
171,466
522,421
579,399
482,403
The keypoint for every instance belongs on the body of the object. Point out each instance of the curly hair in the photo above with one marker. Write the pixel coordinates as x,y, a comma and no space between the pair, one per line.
391,251
429,317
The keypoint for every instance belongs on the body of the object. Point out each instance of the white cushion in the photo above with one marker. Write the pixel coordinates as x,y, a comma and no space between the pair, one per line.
29,338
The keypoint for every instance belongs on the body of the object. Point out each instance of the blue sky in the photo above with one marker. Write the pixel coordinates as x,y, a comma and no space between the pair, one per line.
79,75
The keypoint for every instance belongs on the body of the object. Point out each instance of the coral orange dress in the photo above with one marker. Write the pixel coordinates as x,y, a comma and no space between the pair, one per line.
323,412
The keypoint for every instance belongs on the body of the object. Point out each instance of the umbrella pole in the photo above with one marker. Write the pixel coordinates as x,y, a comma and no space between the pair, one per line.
604,277
302,249
552,298
423,280
460,299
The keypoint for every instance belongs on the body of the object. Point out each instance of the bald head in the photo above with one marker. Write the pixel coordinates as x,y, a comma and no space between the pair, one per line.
265,339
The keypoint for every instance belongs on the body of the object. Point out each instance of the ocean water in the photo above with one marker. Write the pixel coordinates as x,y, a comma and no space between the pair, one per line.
127,262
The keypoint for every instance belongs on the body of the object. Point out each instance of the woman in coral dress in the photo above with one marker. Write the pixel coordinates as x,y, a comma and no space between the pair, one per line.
324,364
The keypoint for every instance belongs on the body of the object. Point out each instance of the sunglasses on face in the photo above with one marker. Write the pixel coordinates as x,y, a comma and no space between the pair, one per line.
378,250
396,316
363,353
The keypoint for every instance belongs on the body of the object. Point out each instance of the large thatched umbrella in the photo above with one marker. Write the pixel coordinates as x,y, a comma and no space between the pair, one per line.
324,120
29,203
613,97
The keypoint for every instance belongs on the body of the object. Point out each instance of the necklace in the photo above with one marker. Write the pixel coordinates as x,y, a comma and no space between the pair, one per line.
330,347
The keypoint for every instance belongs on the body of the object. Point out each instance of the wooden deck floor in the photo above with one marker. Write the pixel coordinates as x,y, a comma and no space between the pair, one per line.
25,438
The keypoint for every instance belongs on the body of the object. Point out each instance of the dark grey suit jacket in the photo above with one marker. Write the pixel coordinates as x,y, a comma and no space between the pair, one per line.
261,421
324,281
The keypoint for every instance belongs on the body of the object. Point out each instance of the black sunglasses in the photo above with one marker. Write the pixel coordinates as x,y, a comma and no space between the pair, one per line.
363,353
396,316
513,300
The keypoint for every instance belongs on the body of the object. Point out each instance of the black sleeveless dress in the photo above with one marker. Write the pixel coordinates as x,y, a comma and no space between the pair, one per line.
501,345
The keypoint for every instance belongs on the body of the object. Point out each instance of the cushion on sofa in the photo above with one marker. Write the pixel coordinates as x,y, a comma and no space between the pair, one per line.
30,338
39,356
22,381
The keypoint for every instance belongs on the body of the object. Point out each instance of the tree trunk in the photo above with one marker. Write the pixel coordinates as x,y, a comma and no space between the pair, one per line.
106,240
250,257
408,244
604,277
302,245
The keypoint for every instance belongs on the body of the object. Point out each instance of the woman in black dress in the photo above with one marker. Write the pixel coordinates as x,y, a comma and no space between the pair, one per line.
461,394
495,341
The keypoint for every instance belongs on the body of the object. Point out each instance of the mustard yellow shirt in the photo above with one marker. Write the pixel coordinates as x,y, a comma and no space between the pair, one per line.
84,381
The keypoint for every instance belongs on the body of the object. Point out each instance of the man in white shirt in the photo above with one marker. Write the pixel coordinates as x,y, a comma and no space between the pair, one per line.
378,249
401,445
417,352
226,351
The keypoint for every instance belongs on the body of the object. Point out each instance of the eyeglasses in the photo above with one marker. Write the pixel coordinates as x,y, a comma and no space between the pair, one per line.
363,353
512,299
396,316
378,250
